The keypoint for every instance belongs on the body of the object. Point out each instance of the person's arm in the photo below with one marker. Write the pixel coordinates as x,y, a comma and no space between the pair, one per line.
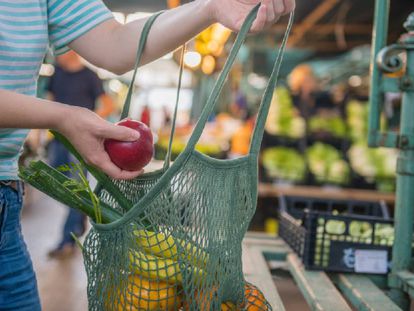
113,46
82,127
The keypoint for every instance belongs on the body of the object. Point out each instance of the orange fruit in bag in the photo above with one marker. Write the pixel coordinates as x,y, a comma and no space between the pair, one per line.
228,306
143,294
200,299
255,301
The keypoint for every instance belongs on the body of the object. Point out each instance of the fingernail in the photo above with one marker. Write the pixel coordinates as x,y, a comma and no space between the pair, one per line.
135,135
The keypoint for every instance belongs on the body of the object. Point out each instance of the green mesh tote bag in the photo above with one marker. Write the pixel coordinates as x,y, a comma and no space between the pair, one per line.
172,239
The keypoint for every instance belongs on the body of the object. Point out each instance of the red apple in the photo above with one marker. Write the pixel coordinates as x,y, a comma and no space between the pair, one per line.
135,155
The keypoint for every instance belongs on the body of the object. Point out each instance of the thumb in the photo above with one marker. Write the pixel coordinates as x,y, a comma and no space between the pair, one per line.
119,132
260,20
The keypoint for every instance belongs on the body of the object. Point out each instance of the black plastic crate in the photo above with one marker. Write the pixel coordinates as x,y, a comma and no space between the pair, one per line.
338,236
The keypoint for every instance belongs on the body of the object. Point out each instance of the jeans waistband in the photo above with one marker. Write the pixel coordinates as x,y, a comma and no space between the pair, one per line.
16,185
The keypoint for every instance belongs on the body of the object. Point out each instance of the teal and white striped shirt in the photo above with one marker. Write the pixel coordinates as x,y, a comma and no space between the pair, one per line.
27,28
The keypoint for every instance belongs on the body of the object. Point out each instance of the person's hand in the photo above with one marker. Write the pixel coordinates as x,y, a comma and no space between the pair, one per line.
232,13
87,132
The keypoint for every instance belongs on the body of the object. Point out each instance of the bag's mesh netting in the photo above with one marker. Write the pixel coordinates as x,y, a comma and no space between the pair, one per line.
182,249
178,243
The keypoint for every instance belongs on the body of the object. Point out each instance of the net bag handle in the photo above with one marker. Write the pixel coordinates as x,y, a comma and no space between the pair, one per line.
213,98
177,100
141,46
258,131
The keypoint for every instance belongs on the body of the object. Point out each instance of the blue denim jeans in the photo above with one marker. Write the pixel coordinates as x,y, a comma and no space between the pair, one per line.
75,221
18,286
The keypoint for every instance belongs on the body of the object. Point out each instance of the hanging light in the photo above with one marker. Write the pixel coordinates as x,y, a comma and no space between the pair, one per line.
355,81
208,65
192,59
220,34
213,47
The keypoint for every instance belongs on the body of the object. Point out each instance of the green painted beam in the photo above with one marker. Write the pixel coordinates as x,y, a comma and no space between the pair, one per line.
279,255
405,281
380,281
363,293
318,290
391,85
379,40
393,140
404,203
271,241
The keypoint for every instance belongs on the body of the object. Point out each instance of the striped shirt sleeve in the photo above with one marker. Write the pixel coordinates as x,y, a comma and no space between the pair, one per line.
70,19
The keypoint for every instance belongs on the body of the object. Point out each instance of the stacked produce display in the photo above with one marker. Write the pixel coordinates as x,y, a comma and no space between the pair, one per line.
375,165
327,165
326,149
283,118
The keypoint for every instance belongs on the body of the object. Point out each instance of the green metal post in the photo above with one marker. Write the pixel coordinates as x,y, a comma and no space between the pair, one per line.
379,40
404,211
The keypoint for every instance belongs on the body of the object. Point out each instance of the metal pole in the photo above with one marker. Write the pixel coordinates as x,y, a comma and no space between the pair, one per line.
379,40
404,210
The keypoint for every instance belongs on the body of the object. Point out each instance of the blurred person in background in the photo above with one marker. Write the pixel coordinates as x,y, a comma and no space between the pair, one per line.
74,84
146,116
239,105
307,96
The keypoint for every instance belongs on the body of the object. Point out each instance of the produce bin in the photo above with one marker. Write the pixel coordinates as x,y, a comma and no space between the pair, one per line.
336,235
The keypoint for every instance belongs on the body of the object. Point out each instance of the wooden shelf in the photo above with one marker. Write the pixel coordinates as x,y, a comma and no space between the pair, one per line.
269,190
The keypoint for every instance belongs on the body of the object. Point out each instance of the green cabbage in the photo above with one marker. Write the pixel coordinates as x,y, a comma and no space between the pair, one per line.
333,125
357,119
283,119
284,163
326,163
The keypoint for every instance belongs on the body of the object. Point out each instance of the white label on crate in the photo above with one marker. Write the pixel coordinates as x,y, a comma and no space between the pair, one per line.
371,261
